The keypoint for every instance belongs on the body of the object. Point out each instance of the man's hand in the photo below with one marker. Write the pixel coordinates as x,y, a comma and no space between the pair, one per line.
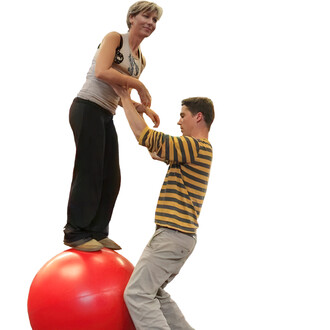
135,121
155,156
121,91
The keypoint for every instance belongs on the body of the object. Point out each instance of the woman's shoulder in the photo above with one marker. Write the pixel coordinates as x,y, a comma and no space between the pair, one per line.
112,36
112,39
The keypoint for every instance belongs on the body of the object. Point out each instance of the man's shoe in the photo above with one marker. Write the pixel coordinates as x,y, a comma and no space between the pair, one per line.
109,243
89,246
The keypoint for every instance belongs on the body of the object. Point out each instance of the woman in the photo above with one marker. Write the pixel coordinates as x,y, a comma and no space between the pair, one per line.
96,175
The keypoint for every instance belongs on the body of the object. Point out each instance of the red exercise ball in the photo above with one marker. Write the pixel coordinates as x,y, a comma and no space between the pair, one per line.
81,291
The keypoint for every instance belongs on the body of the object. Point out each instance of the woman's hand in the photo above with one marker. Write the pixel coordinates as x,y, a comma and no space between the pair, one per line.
144,94
140,108
153,116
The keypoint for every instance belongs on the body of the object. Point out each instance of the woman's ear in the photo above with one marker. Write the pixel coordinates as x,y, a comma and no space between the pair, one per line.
131,19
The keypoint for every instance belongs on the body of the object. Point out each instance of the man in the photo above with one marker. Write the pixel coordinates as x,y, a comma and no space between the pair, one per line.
179,204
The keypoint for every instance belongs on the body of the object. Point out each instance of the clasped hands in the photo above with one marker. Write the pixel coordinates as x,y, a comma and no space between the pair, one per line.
124,92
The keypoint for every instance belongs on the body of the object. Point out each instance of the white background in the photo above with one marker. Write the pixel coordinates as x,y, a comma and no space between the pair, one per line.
262,258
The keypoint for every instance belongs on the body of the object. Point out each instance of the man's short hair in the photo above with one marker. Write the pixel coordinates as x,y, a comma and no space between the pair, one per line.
203,105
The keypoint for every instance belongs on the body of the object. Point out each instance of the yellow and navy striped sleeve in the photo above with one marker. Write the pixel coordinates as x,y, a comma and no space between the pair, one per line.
185,184
178,150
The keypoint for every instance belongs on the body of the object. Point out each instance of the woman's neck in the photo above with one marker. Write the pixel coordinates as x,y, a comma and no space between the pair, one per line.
134,42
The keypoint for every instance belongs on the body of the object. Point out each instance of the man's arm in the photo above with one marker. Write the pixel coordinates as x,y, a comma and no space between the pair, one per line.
170,149
135,120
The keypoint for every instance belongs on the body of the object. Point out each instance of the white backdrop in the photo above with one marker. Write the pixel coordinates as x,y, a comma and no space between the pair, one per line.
262,258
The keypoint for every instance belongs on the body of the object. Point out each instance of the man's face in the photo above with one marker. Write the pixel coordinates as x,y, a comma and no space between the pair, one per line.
187,121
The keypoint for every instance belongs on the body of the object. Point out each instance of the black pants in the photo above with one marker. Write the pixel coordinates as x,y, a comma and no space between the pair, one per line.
96,175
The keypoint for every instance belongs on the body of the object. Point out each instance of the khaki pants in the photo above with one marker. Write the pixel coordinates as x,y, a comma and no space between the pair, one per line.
150,306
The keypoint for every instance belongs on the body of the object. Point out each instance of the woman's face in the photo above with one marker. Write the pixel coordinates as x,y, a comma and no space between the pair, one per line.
144,23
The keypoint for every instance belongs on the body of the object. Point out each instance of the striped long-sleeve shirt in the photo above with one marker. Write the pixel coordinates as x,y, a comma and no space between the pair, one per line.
183,191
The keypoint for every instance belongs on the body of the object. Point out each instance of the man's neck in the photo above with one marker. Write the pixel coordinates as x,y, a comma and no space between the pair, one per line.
200,136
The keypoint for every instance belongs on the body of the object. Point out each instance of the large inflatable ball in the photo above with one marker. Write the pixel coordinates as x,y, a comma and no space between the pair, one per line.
78,290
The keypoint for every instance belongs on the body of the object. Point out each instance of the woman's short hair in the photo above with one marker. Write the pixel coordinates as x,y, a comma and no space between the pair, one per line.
141,7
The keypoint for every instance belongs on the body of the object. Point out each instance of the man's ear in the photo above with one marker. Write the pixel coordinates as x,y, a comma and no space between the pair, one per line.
199,117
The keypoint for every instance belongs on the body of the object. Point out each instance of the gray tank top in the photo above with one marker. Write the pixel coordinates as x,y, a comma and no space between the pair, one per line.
100,92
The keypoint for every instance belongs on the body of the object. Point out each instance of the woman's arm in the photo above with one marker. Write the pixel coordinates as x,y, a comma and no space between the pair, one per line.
105,72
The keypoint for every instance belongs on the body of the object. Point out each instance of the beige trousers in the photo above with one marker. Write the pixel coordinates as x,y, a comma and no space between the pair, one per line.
150,306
